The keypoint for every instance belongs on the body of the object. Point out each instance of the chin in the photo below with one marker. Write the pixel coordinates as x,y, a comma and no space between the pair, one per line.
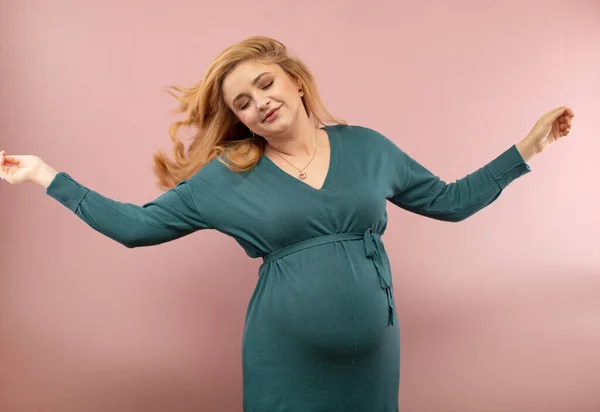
279,126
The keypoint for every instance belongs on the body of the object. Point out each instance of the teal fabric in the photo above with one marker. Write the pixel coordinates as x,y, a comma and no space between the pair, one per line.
321,330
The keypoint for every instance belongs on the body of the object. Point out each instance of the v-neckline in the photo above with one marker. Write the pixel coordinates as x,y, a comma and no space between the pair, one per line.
331,170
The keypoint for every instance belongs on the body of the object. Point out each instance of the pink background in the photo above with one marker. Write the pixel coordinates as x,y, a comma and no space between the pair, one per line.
498,313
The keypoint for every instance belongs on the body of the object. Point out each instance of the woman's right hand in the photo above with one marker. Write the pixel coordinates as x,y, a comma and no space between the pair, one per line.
22,169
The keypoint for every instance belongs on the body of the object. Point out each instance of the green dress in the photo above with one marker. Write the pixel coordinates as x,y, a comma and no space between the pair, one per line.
321,330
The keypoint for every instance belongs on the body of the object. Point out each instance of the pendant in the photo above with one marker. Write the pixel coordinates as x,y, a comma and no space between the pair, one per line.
302,176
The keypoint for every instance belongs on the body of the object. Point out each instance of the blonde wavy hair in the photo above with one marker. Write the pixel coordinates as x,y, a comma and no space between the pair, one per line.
217,130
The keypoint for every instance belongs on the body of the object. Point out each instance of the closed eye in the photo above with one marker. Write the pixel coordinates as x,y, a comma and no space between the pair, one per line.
265,87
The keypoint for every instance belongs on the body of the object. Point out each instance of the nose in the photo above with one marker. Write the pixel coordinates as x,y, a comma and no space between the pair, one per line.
263,103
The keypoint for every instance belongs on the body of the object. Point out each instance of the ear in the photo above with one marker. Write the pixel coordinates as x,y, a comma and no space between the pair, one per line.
300,88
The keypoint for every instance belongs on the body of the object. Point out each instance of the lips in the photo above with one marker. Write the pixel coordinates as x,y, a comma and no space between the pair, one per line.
270,112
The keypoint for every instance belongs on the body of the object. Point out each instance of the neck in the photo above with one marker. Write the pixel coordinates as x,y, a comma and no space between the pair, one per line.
300,141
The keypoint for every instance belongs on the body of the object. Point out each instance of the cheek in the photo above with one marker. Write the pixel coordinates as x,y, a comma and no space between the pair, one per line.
249,117
294,98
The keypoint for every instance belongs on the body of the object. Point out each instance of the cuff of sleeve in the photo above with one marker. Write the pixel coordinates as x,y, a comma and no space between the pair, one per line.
509,166
66,190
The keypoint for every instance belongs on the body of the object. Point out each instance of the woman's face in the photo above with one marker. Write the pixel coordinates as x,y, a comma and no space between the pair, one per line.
264,97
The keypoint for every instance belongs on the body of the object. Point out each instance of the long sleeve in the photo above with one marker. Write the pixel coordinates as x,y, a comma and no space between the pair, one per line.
416,189
172,215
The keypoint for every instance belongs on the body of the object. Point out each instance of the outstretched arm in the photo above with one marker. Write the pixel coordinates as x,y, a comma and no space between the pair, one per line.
418,190
172,215
426,194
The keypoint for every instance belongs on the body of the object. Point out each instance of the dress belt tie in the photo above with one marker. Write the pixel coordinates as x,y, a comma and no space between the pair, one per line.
373,250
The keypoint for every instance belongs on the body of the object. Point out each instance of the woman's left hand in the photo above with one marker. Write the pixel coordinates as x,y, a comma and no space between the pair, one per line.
547,130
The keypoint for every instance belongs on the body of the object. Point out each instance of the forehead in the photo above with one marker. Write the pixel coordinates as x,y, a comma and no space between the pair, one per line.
241,78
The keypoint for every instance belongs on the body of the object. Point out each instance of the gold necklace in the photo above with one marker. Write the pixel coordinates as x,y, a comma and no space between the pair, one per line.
302,173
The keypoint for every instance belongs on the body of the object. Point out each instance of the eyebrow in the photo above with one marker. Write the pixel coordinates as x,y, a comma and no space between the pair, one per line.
256,80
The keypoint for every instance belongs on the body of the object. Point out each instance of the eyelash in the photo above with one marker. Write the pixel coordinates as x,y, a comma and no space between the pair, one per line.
264,88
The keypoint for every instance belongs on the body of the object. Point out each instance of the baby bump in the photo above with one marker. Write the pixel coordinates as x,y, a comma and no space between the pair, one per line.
325,301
